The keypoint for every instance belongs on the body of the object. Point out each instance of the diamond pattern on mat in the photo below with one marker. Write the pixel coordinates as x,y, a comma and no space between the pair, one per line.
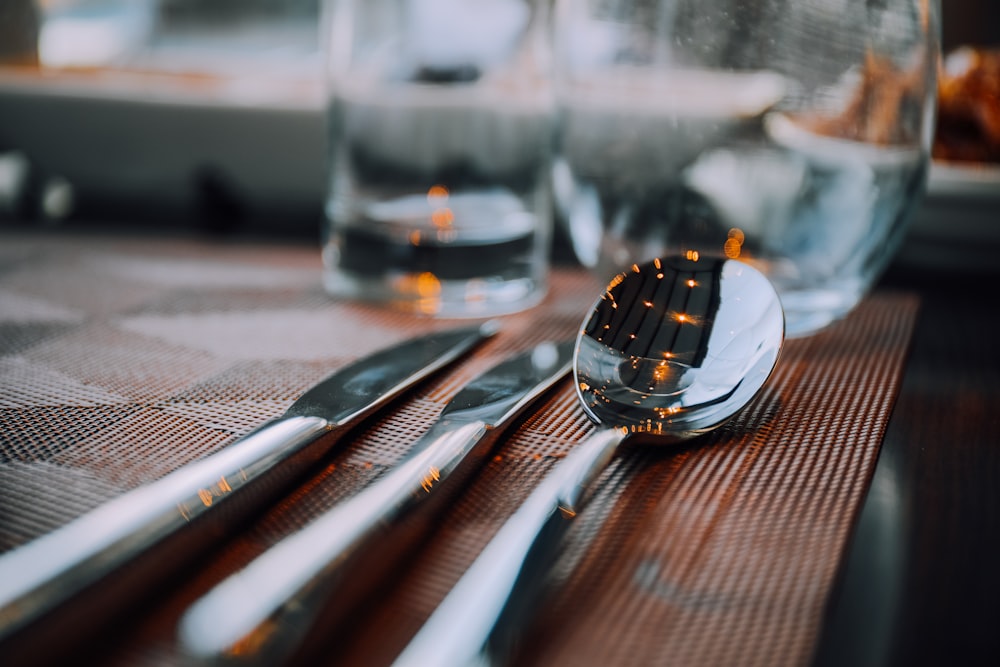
40,433
194,273
15,338
66,284
14,254
125,363
271,381
142,447
265,334
36,498
195,301
237,418
21,308
25,384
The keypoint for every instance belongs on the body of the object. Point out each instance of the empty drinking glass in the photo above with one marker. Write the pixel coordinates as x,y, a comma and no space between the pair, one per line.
791,134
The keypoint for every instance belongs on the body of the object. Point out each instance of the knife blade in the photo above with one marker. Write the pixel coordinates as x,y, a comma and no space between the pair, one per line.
262,614
41,575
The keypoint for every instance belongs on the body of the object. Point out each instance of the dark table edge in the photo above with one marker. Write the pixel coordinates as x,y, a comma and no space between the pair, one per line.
919,584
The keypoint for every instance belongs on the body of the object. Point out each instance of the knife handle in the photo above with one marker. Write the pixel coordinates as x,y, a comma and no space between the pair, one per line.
262,614
489,607
44,573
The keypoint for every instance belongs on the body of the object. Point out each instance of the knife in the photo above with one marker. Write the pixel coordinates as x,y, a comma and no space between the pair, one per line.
263,614
40,576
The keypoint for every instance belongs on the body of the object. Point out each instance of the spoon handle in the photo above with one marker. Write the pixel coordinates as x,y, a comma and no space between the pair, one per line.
488,606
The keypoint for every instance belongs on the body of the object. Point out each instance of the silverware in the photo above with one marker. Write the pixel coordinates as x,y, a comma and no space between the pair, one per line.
262,614
672,350
38,577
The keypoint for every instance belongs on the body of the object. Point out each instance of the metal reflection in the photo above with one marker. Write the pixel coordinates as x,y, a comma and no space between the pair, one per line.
654,353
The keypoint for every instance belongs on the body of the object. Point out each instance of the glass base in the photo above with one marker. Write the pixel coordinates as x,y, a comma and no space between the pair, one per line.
426,294
808,311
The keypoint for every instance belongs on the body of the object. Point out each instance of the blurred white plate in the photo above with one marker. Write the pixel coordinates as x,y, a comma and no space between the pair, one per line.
151,135
958,224
957,180
236,101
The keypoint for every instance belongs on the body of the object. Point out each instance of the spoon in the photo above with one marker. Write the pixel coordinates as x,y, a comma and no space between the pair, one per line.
671,350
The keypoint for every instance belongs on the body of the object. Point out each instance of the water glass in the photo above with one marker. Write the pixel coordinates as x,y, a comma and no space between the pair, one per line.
441,121
791,134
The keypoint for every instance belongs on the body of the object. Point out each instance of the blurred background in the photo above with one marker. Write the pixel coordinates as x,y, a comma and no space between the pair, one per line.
204,114
162,112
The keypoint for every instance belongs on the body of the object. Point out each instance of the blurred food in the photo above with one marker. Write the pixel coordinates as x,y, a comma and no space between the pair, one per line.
968,127
885,109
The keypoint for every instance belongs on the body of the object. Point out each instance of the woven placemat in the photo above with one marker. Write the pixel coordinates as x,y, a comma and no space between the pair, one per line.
122,359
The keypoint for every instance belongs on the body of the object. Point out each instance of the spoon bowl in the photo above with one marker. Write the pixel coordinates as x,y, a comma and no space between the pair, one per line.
675,347
672,349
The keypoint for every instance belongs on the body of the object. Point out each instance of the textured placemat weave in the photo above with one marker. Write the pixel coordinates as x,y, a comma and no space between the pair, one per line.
123,359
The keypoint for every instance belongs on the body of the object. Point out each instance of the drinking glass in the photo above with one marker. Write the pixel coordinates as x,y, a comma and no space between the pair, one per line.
441,119
791,134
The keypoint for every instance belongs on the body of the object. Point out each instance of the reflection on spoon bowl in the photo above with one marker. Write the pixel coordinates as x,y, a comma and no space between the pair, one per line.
689,342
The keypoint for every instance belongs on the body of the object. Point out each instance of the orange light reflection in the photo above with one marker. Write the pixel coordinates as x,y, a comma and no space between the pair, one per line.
433,475
442,217
435,194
